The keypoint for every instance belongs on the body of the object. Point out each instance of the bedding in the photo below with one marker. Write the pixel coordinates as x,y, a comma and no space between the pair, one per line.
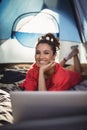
10,78
5,108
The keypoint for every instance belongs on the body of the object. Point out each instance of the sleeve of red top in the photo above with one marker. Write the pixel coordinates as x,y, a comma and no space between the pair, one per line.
65,80
29,82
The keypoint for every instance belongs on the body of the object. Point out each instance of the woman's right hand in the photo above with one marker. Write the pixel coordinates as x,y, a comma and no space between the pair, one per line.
47,67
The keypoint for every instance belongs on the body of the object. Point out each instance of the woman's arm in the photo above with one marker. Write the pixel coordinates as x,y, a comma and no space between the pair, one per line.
41,78
41,81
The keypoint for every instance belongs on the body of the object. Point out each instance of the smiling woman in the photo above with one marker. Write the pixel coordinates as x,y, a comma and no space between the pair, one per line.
45,73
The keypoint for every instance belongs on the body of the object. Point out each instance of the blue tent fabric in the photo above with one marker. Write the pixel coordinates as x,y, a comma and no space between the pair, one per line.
68,30
11,9
81,11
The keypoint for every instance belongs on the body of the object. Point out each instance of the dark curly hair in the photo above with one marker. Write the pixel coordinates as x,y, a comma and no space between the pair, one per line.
51,40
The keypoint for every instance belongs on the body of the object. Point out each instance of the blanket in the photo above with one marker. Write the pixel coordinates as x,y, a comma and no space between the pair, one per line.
5,108
9,81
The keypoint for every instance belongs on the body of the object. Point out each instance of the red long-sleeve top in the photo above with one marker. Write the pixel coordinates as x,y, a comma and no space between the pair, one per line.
61,79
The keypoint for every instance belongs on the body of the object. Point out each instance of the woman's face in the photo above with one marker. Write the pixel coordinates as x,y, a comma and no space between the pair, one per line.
43,54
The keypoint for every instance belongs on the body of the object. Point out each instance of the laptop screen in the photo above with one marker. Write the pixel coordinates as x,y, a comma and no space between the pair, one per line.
47,105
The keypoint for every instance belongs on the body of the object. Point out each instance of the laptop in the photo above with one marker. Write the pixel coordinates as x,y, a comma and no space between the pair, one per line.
35,105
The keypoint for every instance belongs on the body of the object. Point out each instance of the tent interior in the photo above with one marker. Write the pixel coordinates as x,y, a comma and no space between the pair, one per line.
20,29
21,23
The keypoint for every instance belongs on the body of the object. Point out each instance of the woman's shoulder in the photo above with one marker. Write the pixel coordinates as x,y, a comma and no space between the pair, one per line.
57,66
33,69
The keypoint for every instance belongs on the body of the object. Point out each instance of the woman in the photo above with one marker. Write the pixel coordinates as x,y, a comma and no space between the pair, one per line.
46,74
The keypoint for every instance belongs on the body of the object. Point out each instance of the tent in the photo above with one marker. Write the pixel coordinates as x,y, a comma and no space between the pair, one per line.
22,22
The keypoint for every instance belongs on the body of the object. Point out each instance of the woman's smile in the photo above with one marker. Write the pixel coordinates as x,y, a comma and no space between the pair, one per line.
42,62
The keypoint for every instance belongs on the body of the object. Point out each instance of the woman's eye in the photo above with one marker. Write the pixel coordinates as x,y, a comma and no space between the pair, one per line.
46,52
37,52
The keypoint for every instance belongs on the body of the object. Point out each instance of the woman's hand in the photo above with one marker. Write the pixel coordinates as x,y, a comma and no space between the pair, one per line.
41,79
47,67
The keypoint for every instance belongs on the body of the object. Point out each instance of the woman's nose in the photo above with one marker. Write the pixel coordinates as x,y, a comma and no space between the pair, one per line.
41,55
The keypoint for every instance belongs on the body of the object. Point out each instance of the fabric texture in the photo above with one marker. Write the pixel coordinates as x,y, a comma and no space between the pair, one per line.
6,116
61,79
82,86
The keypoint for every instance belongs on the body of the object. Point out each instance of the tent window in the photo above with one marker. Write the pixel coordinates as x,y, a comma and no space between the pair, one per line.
28,28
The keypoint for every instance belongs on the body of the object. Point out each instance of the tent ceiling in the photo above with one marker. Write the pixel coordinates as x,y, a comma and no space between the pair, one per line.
66,19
